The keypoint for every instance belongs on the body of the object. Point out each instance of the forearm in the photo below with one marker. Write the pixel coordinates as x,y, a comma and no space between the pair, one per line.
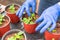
37,5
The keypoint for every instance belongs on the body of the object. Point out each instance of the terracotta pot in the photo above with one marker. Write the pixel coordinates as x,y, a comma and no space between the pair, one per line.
12,31
5,28
30,28
13,17
51,36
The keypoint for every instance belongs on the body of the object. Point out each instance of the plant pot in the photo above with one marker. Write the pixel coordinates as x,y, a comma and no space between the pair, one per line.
30,28
5,26
13,17
6,35
52,36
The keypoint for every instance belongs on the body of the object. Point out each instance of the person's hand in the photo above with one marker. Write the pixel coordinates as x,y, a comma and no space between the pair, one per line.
26,6
48,18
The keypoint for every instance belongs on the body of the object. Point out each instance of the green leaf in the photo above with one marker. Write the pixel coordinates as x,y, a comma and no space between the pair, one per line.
1,16
54,31
24,19
29,18
31,22
21,37
12,11
48,29
12,8
20,33
33,15
11,38
34,18
17,36
0,23
1,20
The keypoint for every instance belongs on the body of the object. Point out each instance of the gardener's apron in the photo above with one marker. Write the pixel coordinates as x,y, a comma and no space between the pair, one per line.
45,4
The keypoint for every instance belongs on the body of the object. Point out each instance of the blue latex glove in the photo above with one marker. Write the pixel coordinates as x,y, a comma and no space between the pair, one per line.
26,6
48,17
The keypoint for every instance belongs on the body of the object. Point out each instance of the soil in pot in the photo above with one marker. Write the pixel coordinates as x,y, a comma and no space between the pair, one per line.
30,20
11,12
4,22
15,36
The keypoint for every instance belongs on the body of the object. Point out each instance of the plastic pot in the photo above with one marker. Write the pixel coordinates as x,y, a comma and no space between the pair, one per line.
30,28
52,36
13,17
13,31
5,28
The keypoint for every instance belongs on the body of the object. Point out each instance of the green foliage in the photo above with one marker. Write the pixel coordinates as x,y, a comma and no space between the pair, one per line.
52,30
12,8
30,19
1,19
18,35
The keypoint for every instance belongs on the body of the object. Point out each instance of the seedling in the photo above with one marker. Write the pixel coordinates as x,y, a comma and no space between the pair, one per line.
17,36
29,20
1,19
12,8
52,30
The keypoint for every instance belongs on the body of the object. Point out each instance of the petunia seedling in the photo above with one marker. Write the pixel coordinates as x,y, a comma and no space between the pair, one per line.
33,15
1,19
31,22
12,8
52,30
30,19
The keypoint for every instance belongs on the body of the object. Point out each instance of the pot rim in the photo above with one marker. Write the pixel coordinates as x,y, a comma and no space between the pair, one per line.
9,5
7,23
52,33
30,24
12,31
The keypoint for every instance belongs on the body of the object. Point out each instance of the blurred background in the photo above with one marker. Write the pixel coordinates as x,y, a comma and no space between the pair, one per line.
20,2
6,2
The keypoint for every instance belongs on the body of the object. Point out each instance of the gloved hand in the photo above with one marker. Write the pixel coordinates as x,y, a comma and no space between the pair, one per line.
48,17
26,6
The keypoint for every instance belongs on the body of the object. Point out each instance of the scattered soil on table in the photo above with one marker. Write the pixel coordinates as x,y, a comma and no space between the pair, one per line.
6,20
13,34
